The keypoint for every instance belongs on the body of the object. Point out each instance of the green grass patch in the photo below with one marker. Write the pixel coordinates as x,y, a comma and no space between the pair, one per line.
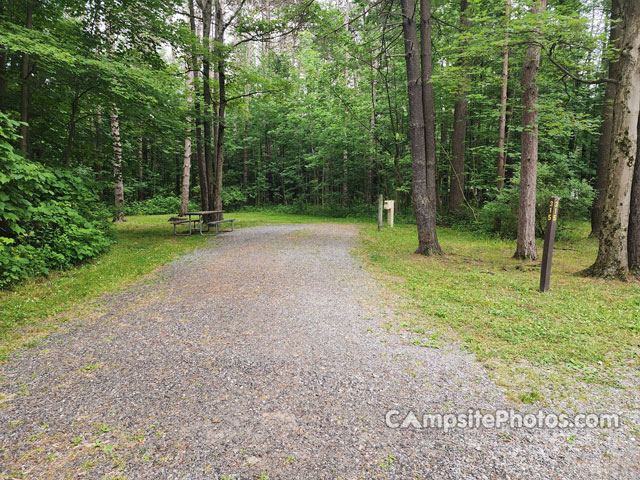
583,329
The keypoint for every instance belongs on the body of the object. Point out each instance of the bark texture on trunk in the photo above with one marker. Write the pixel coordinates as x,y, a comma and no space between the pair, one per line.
140,168
613,260
202,167
526,243
222,103
502,129
186,162
633,242
425,213
458,147
206,96
118,185
604,143
430,243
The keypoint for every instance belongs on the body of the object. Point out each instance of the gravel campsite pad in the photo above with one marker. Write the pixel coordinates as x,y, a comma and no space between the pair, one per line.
265,356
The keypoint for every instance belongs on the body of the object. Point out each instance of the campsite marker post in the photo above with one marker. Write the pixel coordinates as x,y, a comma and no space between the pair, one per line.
549,238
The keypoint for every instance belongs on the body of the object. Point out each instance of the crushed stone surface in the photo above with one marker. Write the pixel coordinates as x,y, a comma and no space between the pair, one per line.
265,356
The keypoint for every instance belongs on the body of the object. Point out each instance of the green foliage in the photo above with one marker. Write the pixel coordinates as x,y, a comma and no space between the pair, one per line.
576,197
49,219
233,197
158,206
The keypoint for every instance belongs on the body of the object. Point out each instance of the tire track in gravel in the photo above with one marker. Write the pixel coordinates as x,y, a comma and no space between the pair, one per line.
265,356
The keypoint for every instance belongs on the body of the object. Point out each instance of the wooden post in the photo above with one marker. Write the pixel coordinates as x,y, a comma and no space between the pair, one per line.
380,204
549,238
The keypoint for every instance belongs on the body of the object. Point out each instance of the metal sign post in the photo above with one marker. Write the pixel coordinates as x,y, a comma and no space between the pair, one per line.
549,238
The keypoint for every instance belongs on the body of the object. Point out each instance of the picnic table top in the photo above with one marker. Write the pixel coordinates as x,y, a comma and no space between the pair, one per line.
208,212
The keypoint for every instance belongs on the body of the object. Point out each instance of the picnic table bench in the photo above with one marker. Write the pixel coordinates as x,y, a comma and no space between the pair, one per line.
199,221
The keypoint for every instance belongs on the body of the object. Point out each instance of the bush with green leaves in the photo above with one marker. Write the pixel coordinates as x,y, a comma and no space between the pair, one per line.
576,198
158,206
49,219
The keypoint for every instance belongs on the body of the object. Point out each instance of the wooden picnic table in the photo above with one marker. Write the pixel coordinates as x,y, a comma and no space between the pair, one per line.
201,216
199,221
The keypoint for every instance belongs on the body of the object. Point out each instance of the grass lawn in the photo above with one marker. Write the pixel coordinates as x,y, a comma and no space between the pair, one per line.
582,334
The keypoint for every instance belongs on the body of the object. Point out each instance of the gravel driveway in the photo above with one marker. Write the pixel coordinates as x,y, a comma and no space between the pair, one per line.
265,356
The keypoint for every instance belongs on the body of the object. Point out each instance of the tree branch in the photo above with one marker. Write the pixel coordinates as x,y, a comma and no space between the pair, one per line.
564,70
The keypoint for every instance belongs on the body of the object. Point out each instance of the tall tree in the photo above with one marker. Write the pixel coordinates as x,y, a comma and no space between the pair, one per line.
118,184
526,243
502,154
633,242
613,259
197,120
604,143
423,193
458,147
186,162
206,10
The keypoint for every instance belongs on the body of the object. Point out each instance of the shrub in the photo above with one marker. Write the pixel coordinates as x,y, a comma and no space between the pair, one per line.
49,219
576,197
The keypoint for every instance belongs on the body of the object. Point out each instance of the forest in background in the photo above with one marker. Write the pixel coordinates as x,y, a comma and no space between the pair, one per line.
112,107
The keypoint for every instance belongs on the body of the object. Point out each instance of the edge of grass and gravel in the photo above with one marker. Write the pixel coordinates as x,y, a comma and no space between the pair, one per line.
579,343
31,310
560,348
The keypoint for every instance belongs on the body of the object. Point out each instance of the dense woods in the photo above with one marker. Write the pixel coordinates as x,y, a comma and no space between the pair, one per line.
466,112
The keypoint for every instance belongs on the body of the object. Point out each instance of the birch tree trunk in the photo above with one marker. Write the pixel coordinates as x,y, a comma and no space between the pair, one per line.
503,101
604,143
140,167
613,259
526,243
186,162
118,185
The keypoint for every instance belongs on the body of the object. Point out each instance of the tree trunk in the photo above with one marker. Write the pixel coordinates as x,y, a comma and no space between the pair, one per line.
427,240
613,259
456,192
206,123
604,143
222,104
371,161
245,152
202,166
526,243
71,131
118,185
633,242
25,74
186,163
140,168
502,129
